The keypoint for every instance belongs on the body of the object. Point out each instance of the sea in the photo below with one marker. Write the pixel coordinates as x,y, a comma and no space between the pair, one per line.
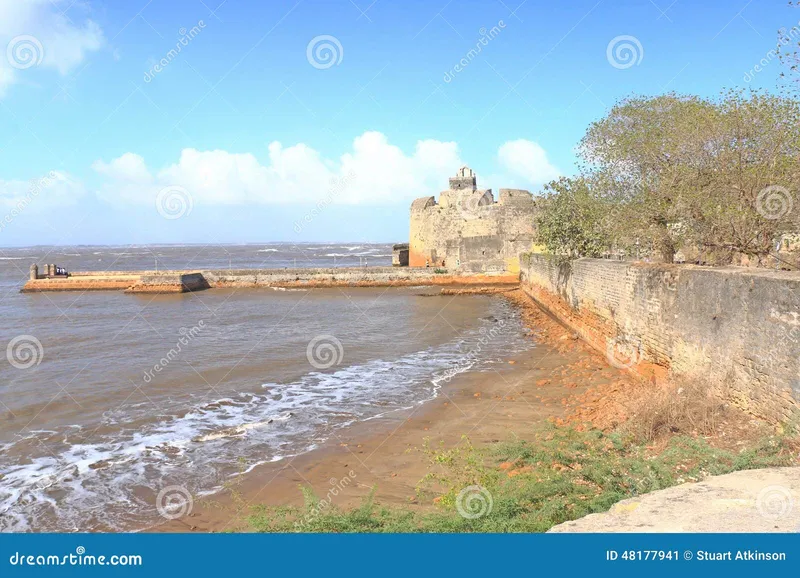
107,398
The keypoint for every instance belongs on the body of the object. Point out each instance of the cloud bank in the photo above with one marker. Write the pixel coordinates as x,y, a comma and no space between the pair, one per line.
373,172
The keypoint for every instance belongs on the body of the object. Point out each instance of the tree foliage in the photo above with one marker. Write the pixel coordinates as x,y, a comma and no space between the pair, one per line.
573,222
715,176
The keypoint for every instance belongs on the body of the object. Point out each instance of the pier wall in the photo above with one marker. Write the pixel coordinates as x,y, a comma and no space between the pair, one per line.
187,281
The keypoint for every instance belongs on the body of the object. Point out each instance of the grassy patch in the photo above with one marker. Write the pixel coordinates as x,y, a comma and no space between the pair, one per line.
561,475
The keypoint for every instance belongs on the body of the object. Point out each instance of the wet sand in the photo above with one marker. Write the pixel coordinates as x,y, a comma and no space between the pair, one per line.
545,383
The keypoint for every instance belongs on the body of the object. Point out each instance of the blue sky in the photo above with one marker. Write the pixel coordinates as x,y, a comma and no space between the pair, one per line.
247,134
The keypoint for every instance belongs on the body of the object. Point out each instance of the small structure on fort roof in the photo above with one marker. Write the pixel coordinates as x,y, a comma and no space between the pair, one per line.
470,231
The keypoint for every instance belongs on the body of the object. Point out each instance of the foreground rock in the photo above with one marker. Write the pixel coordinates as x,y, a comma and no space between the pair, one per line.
766,500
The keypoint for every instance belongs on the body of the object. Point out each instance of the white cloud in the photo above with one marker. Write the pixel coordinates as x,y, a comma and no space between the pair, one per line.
54,189
374,172
528,161
36,31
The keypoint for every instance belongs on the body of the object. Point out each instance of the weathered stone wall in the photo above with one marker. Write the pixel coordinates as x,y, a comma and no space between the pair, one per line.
348,277
468,230
400,255
737,328
169,283
184,281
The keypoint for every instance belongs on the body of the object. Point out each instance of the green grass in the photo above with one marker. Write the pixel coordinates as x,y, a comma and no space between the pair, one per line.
562,475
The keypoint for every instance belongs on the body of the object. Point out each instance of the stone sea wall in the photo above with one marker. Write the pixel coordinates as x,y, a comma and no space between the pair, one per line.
350,277
186,281
738,329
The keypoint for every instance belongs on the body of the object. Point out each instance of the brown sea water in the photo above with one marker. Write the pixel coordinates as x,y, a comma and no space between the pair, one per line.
107,399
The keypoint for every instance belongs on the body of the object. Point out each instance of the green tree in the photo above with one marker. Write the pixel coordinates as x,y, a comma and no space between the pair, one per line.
644,156
661,173
748,176
572,221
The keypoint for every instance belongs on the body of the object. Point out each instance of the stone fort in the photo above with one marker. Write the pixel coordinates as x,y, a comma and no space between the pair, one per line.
468,230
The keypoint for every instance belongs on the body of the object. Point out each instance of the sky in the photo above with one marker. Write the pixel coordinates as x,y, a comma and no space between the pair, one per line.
239,121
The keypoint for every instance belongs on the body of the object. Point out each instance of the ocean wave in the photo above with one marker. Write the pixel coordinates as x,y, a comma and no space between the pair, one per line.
109,479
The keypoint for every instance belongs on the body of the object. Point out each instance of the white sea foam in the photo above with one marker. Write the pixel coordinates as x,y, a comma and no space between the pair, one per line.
87,480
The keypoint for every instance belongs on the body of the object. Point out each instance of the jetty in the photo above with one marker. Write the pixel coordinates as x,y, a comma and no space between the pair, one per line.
167,282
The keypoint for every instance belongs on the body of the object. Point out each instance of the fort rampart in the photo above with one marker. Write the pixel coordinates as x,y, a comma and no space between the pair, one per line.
736,328
469,230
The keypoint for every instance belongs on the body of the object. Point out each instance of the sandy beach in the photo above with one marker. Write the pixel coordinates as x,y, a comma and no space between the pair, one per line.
555,379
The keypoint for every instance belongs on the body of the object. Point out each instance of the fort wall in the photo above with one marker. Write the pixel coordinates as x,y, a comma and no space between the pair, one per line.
736,328
470,231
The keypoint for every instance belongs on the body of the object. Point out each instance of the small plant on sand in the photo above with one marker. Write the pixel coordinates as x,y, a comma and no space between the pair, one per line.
529,486
452,470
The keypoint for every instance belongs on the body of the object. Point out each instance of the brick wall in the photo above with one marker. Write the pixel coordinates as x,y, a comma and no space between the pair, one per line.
739,329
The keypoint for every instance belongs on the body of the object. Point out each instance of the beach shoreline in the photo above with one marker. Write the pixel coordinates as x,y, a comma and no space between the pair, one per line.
384,454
